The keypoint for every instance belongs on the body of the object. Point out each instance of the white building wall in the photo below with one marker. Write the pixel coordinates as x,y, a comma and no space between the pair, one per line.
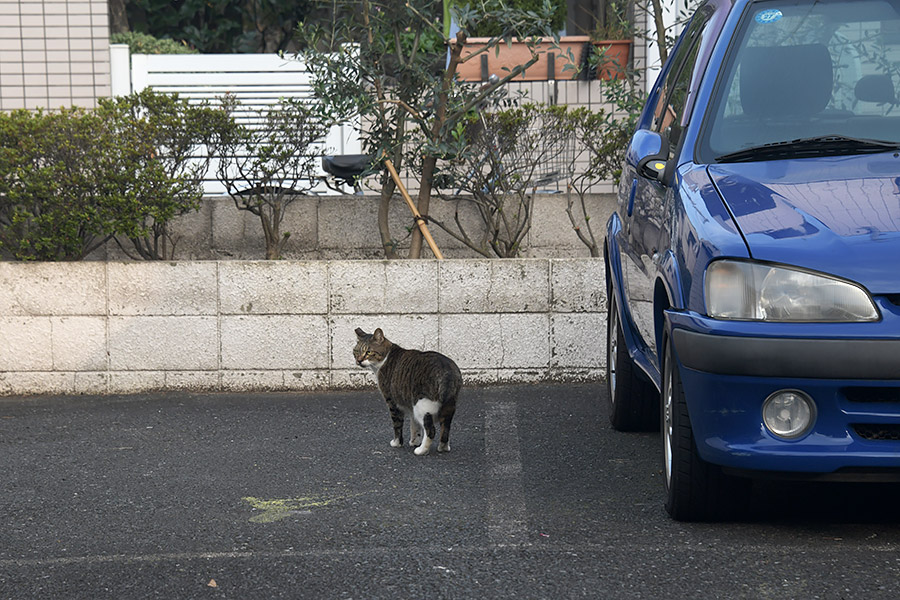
53,54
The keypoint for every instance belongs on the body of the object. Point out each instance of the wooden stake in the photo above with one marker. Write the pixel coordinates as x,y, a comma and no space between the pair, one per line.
420,221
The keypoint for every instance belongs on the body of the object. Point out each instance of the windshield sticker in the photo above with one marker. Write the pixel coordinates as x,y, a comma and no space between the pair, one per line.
768,16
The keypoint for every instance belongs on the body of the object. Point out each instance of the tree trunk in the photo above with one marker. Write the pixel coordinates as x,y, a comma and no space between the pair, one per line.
118,18
387,192
429,162
272,231
660,31
387,185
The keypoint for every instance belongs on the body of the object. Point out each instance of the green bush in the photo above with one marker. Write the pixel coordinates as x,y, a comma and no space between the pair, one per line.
267,167
502,160
56,191
142,43
217,26
167,180
71,180
490,26
602,138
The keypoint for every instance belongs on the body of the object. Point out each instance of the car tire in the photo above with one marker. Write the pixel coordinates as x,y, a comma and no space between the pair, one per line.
695,489
632,399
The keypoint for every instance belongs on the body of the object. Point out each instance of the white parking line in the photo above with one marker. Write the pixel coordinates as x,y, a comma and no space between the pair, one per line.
506,513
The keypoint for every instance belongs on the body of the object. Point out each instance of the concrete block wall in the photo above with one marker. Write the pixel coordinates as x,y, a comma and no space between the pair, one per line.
345,227
53,54
126,327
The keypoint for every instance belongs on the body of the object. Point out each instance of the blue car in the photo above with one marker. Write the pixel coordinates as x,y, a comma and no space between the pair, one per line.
753,261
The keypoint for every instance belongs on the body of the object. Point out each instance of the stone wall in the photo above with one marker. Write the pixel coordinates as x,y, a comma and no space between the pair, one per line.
125,327
345,227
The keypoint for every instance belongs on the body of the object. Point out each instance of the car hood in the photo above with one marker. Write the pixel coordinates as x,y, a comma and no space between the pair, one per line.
835,215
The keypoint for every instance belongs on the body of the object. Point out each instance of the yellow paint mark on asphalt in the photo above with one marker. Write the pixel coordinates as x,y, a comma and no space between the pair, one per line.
277,509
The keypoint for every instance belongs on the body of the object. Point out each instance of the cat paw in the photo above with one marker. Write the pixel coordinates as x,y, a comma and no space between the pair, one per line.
443,447
396,443
421,450
416,441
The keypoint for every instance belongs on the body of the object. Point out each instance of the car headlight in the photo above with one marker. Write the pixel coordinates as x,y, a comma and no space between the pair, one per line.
749,291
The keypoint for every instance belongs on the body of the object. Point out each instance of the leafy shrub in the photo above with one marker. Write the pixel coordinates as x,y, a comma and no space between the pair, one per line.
168,180
490,26
143,43
501,164
57,196
216,26
602,138
268,163
70,180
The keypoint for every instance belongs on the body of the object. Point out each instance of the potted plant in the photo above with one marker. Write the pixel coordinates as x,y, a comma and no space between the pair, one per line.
611,42
519,45
603,54
553,58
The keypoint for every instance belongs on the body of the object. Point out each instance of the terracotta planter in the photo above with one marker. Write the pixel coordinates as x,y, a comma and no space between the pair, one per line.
551,63
615,58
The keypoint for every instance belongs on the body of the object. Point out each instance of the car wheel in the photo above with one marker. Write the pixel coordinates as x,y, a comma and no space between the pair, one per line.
695,489
632,399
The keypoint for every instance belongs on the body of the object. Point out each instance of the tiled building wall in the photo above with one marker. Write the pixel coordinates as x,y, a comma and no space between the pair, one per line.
641,52
53,53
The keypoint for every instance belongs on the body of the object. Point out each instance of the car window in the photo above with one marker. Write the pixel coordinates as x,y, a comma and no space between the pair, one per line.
668,114
808,68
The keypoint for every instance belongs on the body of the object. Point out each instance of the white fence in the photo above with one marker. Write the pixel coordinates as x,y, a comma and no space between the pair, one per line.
257,81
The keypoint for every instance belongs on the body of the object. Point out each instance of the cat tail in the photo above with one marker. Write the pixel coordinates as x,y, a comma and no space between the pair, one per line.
449,388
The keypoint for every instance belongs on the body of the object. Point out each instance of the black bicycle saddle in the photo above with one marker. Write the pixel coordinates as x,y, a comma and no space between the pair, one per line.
346,166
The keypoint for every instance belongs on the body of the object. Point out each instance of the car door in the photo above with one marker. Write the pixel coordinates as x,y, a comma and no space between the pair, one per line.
642,210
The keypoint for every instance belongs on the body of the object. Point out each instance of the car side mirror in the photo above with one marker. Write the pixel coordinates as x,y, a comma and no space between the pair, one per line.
648,153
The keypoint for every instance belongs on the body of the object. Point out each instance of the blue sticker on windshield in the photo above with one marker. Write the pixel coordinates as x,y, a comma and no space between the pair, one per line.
768,16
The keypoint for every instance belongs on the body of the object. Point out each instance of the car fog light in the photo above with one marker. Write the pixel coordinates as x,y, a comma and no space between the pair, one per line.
789,413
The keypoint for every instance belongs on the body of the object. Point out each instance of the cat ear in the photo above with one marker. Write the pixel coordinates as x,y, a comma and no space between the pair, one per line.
360,333
378,336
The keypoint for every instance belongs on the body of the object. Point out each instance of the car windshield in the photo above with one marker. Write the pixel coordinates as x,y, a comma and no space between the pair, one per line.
808,78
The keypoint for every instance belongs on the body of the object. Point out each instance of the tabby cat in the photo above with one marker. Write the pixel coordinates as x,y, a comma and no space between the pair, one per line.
420,385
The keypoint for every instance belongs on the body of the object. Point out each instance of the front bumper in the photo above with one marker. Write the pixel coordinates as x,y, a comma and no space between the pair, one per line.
851,371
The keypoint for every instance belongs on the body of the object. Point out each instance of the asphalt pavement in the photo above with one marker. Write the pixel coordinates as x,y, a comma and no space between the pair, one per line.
179,495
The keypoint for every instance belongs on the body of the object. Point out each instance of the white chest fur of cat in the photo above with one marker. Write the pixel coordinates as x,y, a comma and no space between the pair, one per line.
422,386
